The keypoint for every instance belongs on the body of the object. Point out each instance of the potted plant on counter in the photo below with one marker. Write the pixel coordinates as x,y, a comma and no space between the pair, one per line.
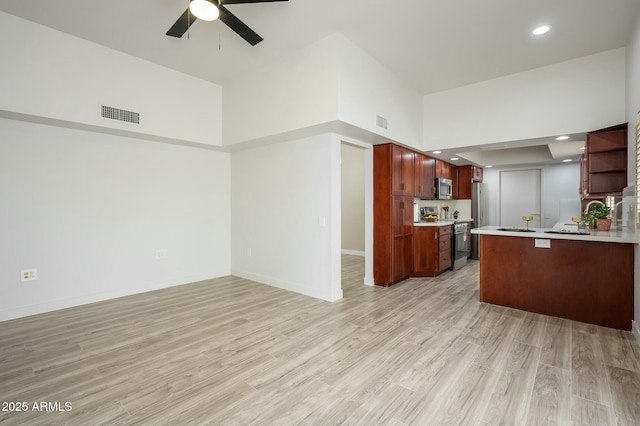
600,213
455,214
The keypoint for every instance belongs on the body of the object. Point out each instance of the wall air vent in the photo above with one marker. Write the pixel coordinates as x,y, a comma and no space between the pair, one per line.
381,121
120,114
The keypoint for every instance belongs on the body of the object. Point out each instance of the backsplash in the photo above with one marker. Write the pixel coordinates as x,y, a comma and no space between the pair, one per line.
463,206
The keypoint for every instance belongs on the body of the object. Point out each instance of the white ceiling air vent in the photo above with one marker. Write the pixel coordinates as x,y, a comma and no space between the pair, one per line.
120,114
381,121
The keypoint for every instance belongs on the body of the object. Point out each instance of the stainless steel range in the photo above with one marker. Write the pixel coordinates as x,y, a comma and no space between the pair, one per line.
461,241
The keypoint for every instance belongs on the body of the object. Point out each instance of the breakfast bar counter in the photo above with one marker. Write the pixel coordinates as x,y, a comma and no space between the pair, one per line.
587,278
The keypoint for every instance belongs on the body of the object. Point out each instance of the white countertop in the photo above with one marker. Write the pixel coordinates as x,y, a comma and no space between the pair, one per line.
436,223
614,236
441,222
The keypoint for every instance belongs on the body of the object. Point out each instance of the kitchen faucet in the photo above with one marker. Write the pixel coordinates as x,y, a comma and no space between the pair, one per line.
586,209
614,216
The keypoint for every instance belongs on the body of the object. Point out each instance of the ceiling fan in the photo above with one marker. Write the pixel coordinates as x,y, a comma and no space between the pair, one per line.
216,9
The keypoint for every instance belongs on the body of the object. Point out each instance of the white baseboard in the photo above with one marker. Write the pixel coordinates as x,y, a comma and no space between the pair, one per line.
635,329
323,294
353,252
85,299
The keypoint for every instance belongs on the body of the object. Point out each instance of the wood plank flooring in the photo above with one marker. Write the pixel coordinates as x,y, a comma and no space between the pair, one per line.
231,351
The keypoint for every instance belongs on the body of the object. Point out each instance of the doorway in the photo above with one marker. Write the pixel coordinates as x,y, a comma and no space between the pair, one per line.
353,200
356,207
519,195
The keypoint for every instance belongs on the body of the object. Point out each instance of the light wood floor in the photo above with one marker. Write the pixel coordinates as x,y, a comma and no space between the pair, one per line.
230,351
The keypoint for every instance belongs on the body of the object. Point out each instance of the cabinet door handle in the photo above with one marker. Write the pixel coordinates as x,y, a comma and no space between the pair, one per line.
403,186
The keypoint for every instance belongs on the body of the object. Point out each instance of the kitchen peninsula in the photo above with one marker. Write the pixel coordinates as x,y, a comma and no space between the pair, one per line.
586,277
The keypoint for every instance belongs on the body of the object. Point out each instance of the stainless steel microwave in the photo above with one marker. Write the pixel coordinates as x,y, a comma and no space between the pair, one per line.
444,188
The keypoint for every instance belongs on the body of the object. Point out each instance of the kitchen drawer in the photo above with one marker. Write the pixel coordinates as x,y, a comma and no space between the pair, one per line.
445,260
444,243
444,230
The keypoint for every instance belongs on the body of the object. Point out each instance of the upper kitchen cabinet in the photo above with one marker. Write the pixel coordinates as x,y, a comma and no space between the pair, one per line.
425,169
466,176
402,169
444,169
604,166
477,173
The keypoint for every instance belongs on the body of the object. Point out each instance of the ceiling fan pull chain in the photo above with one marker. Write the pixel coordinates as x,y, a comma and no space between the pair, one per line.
188,21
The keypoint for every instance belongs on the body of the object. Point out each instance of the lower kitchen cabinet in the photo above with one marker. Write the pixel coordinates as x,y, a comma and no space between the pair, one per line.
432,250
444,248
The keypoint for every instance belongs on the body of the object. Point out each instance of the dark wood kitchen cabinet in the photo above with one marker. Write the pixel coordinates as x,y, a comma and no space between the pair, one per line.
392,214
466,176
477,173
402,178
444,169
432,247
402,230
604,165
424,172
426,251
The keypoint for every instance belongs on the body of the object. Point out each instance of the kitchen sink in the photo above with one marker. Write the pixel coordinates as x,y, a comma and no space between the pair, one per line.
567,232
515,230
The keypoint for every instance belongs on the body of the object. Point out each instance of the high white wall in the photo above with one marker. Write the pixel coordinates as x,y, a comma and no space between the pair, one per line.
368,89
331,81
50,75
633,108
580,95
298,91
285,215
558,181
353,199
90,210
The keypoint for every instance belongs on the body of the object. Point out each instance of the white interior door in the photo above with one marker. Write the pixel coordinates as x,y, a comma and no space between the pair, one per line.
520,195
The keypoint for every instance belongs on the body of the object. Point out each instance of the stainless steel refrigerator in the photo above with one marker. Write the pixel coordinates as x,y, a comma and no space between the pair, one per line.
478,213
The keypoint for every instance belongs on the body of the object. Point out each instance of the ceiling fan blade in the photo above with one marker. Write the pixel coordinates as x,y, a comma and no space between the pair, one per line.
182,24
239,27
248,1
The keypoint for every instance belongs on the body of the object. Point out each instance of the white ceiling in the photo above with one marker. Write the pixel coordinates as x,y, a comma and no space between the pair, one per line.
433,45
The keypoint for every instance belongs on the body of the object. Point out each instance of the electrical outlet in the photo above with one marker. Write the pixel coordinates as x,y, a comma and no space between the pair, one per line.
249,252
161,254
28,275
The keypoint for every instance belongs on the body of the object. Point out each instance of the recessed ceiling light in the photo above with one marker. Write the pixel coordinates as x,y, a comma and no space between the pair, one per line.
542,29
437,152
568,160
562,138
454,158
489,166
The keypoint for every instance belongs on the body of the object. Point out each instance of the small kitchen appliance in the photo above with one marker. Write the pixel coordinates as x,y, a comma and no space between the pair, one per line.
444,188
429,211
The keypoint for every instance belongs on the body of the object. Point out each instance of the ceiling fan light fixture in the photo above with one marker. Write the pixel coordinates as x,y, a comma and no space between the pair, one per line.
204,9
542,29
